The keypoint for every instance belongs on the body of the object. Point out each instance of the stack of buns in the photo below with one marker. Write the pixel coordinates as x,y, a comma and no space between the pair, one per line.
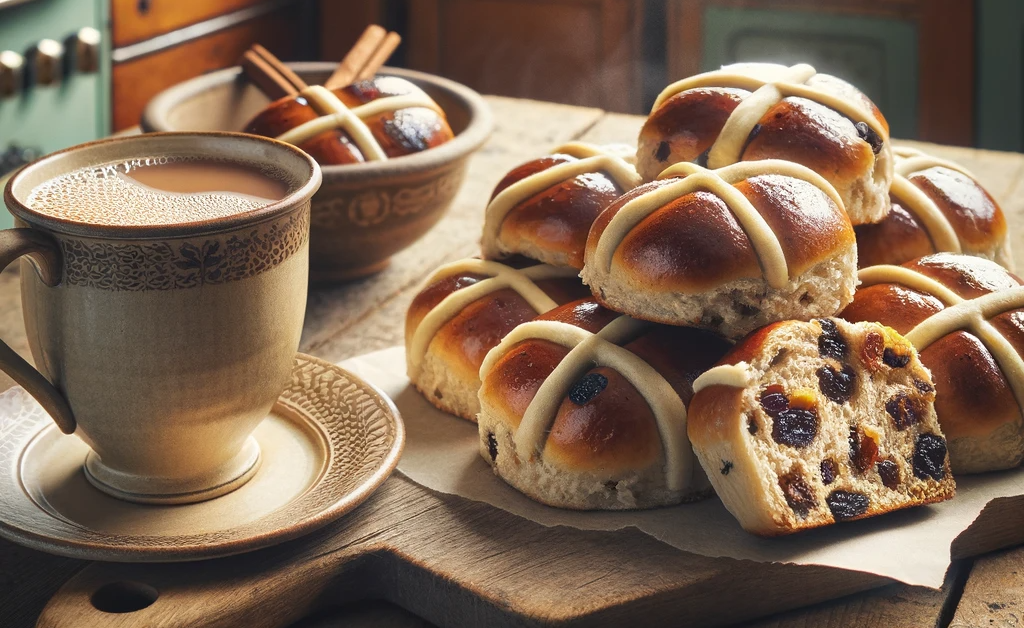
723,342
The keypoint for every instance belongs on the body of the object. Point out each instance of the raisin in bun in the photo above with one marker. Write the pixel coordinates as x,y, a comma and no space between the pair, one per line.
544,208
751,111
584,408
965,315
729,250
937,206
371,120
805,424
464,310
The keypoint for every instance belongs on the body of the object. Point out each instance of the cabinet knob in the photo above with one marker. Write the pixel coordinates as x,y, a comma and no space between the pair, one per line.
16,156
47,62
86,46
12,72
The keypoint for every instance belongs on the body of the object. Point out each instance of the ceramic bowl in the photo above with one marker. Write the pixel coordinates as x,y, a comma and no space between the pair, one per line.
363,213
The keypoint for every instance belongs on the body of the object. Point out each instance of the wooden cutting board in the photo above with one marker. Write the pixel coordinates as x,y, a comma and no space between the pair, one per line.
460,563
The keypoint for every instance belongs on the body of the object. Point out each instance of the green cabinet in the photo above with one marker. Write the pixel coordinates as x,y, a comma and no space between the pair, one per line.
877,54
1000,103
72,111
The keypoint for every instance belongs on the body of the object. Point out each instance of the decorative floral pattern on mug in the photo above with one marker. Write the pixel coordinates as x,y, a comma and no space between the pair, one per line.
184,263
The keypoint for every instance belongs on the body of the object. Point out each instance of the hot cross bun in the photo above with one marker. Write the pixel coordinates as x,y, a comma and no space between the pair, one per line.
804,424
937,206
544,208
751,111
729,250
965,315
584,408
464,310
370,120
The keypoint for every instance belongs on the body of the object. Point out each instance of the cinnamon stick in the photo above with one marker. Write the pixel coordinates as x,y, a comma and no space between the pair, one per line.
380,56
265,77
280,67
363,60
273,77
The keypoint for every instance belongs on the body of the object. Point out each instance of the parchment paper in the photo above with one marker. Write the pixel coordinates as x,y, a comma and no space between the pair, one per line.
911,545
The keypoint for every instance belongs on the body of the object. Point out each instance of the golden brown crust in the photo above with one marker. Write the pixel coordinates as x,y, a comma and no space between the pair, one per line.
894,305
518,375
615,432
462,342
695,243
976,219
403,132
974,397
708,415
615,429
812,135
852,153
686,126
584,313
692,244
900,237
557,219
969,277
974,214
795,129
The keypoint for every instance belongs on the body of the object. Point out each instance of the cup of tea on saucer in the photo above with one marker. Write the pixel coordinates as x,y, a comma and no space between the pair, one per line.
164,289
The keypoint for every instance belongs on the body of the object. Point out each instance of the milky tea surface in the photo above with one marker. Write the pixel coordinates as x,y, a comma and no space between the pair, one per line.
156,191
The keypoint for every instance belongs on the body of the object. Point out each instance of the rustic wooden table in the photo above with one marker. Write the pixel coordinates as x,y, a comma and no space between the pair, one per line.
368,315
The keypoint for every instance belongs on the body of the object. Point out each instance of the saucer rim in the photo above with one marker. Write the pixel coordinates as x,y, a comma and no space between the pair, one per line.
150,553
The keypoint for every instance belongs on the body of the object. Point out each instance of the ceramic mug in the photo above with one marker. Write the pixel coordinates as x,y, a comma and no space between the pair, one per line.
163,347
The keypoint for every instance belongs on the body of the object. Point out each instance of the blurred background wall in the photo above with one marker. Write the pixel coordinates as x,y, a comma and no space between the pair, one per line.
941,70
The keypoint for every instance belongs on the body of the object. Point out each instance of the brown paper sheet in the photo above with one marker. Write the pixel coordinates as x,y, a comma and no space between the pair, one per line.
912,546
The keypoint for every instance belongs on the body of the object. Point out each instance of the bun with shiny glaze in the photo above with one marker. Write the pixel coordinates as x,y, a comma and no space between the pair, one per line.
584,408
728,250
937,207
544,208
752,111
463,311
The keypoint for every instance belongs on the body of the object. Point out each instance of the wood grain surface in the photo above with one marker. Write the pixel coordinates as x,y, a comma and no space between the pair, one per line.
452,562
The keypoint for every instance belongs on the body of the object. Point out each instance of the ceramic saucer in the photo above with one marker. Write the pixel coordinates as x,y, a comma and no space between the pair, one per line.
330,440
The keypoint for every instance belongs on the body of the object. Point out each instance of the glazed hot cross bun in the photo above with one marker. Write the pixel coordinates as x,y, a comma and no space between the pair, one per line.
937,206
751,111
464,310
369,120
965,315
544,208
804,424
584,408
729,250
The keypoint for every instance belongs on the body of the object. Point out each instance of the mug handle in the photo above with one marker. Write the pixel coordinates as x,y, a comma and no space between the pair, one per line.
43,250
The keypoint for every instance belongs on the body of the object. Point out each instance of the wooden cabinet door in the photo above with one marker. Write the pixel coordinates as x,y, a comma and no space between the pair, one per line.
137,80
585,52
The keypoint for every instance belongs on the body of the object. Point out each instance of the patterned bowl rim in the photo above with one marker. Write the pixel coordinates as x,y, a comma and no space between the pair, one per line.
156,117
81,543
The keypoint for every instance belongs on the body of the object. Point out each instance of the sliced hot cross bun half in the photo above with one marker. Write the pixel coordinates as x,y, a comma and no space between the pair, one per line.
544,208
729,250
464,310
751,111
804,424
937,206
965,315
584,408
